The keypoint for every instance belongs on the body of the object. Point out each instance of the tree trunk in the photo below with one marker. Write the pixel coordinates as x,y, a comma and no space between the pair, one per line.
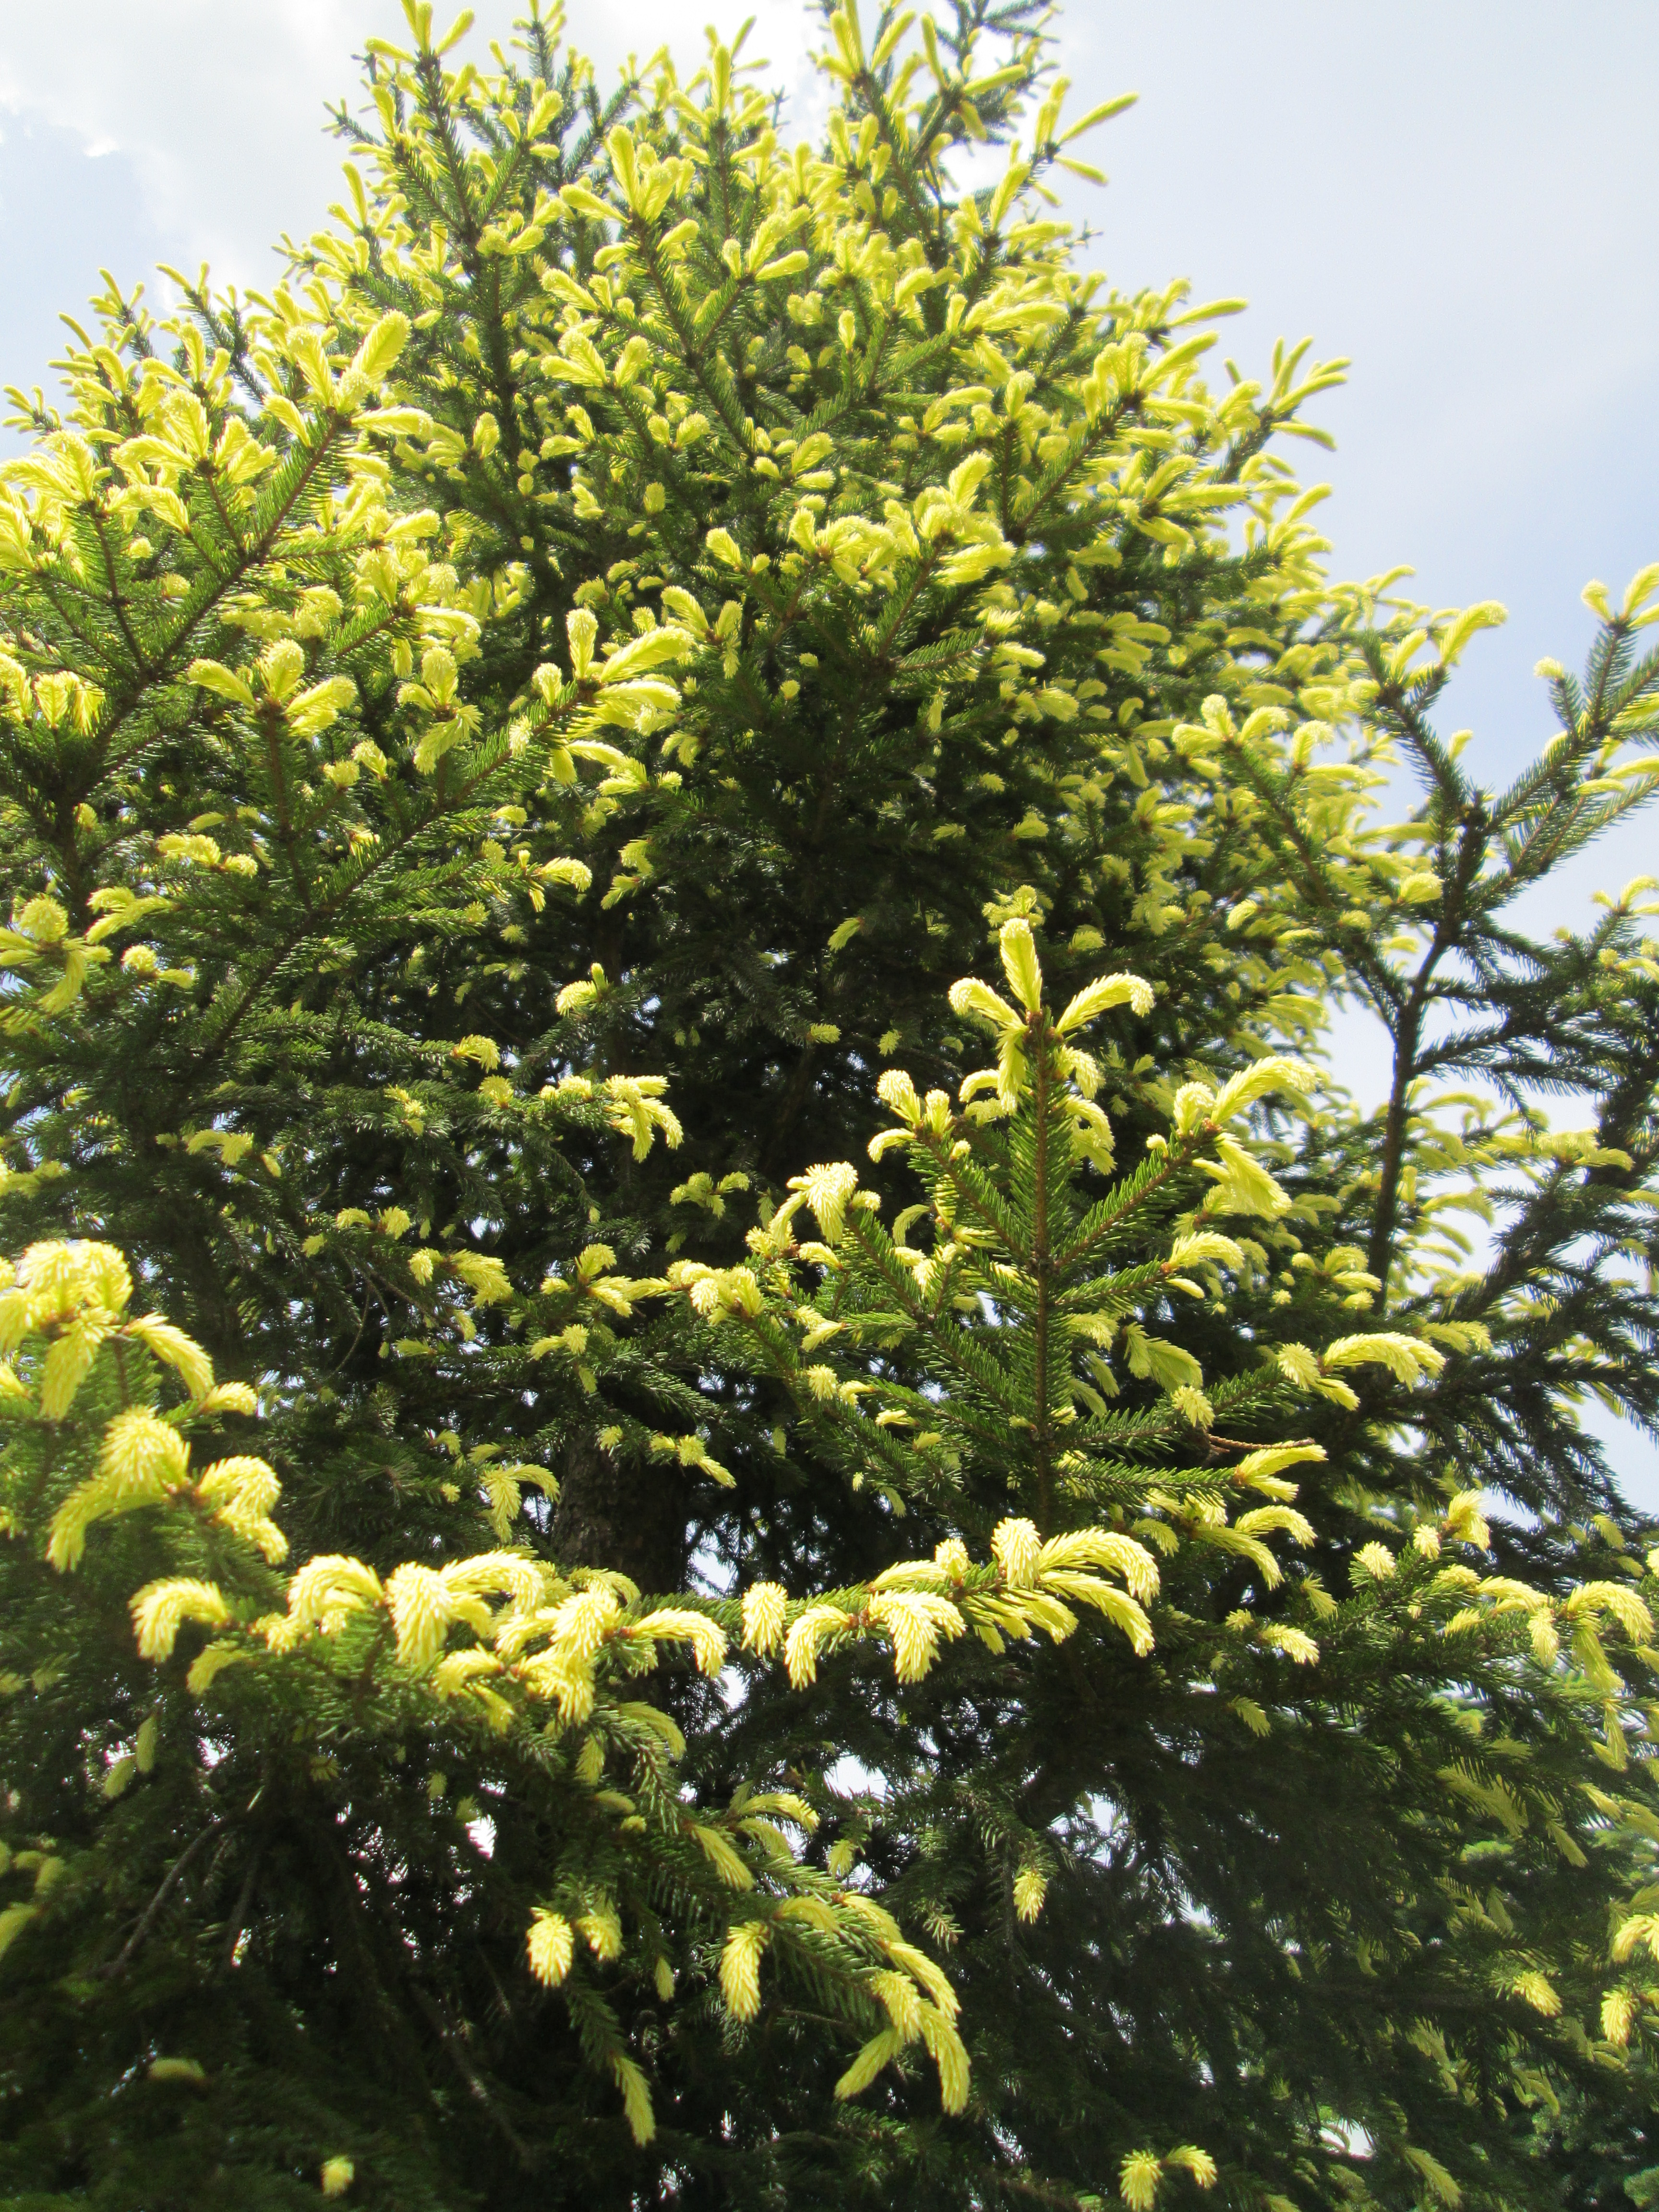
629,1518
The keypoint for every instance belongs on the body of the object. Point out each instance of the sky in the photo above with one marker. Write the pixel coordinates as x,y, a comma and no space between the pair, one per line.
1455,195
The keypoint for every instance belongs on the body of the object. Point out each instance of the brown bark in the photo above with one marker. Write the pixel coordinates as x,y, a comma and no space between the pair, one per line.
631,1518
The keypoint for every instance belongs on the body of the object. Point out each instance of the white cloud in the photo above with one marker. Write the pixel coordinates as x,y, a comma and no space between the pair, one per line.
219,104
217,114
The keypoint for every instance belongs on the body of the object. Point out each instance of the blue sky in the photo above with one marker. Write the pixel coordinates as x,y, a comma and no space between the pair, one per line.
1456,194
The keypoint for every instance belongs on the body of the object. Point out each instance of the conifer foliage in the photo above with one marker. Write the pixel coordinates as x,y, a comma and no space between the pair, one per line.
627,1578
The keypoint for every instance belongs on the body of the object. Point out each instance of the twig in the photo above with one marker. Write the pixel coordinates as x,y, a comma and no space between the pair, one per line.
238,1916
470,2073
147,1921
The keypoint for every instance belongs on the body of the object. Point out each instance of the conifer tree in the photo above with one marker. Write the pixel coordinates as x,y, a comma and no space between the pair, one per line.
628,1578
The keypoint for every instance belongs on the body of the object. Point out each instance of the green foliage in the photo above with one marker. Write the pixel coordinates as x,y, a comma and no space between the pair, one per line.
530,1677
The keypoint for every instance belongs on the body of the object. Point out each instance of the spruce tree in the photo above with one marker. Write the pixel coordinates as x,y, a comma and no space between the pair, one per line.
731,1479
